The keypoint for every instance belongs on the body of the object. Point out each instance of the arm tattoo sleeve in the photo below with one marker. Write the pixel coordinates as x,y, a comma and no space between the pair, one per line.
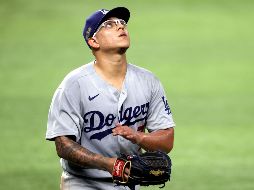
73,152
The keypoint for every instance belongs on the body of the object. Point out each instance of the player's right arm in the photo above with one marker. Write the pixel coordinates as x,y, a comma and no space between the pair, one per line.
64,127
73,152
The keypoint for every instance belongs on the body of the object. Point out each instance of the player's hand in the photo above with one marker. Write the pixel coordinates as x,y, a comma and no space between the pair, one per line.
127,133
126,173
110,165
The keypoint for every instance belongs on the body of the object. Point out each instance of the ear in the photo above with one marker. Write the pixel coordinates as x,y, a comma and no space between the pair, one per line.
93,42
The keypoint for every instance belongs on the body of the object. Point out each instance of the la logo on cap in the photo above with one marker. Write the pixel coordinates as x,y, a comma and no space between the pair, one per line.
104,11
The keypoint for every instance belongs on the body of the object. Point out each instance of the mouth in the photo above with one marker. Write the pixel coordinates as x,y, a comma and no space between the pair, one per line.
122,34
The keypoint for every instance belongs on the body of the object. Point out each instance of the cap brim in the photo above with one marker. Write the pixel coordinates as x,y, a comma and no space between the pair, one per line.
118,12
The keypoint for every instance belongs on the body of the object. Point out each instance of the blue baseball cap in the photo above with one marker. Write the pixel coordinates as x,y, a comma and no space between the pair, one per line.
98,17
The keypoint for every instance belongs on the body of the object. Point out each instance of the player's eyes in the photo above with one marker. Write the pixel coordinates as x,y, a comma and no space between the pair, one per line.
109,24
122,22
112,23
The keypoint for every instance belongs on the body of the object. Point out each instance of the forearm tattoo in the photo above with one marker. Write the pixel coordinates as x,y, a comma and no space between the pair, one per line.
75,153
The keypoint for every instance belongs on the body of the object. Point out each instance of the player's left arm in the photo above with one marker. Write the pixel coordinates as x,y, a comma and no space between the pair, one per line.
157,140
159,123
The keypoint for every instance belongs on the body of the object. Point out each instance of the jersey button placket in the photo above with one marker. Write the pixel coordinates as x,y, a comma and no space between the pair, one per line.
122,98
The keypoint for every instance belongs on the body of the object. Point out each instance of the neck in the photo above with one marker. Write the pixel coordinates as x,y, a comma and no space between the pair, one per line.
111,66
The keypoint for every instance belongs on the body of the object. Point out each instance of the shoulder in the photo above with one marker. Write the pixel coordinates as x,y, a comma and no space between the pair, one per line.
72,78
142,73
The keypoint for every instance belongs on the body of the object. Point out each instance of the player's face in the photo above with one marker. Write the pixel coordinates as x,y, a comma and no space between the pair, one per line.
113,34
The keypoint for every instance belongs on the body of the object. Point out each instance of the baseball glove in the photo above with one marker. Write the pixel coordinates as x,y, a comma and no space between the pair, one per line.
149,168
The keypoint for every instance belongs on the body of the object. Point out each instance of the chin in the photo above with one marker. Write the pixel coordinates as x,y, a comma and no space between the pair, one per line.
125,45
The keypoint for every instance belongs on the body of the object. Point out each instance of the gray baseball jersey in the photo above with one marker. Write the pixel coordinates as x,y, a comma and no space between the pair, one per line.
87,107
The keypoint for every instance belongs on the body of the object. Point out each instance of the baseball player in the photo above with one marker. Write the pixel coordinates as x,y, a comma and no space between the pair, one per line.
101,109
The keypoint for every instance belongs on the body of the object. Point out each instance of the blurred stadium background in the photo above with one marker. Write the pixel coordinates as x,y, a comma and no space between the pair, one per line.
202,50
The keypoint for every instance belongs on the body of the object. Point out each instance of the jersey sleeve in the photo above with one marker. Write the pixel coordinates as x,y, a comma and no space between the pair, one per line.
159,114
64,116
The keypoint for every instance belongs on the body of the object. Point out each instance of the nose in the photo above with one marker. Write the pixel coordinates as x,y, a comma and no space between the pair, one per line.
120,26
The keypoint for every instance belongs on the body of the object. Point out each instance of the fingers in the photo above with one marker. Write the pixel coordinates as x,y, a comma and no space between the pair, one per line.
126,174
121,130
126,132
118,125
127,171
